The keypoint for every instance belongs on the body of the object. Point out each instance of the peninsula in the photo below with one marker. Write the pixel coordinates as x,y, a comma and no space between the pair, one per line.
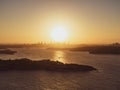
7,51
47,65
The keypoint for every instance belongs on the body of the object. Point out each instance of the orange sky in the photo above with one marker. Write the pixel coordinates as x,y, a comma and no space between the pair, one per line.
31,21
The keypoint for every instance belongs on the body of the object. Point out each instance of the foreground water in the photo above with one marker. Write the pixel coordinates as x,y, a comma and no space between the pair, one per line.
106,78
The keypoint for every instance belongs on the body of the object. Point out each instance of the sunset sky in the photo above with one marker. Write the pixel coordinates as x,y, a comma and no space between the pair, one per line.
84,21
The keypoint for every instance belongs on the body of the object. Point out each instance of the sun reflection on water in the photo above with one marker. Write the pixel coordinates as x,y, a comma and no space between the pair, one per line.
59,56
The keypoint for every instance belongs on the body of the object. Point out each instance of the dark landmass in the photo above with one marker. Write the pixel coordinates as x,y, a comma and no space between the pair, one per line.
106,50
6,46
92,49
7,51
47,65
42,45
101,49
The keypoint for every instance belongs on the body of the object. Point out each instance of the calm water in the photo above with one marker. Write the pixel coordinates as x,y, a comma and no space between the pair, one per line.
106,78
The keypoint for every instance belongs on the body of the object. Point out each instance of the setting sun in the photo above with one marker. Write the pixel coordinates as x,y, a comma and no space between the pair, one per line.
60,44
59,34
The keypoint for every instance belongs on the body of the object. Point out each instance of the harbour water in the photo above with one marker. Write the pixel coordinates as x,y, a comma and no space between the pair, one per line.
105,78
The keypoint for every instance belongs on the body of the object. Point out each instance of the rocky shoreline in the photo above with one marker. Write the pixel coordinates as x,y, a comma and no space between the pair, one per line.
47,65
7,51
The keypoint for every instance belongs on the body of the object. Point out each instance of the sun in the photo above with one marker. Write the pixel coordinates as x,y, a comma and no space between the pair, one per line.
59,34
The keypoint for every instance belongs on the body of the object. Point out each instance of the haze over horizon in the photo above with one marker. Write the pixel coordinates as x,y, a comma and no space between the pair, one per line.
80,21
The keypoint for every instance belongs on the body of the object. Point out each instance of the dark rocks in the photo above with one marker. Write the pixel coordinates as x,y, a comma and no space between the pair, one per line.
47,65
7,51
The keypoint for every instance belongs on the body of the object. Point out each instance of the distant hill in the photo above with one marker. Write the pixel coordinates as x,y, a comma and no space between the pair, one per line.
100,49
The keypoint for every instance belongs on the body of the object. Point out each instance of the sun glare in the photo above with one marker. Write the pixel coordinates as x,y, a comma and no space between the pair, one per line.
59,34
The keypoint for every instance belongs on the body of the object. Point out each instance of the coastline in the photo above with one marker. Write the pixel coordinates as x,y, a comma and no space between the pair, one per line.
47,65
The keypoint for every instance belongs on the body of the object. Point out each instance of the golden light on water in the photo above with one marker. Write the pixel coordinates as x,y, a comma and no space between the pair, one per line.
59,56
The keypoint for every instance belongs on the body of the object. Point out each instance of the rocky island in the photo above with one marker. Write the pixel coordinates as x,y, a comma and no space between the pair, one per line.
47,65
7,51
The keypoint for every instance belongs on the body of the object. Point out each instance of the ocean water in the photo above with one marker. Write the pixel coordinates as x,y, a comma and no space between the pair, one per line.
107,77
